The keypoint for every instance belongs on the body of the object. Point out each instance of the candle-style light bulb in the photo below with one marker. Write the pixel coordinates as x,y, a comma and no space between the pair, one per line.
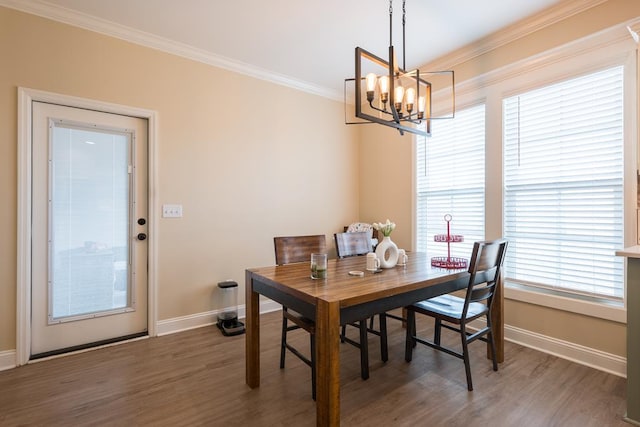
384,88
421,105
410,99
371,81
398,95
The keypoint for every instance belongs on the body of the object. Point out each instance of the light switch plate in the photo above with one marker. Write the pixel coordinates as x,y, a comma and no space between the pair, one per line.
172,211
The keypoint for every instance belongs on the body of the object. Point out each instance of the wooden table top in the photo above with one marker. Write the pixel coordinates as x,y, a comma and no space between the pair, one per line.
350,290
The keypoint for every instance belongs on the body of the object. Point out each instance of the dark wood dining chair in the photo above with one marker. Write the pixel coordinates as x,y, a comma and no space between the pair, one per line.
292,249
484,273
363,227
288,250
356,244
352,243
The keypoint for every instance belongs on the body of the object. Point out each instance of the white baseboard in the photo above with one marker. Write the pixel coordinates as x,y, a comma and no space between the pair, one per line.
593,358
7,359
170,326
198,320
587,356
596,359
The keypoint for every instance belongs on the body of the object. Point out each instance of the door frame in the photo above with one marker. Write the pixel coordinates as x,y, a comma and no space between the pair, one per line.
26,97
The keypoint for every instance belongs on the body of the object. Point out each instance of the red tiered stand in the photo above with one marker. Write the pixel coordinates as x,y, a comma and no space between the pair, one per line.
448,261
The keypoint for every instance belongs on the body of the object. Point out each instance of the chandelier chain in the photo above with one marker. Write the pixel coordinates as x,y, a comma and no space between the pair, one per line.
390,22
404,11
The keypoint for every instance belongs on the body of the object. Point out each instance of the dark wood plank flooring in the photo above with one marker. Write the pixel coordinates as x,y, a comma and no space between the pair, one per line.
196,378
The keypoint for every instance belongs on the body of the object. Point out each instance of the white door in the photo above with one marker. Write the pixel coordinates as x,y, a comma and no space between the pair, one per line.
89,224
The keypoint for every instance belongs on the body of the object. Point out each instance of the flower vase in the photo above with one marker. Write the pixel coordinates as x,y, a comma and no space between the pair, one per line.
387,253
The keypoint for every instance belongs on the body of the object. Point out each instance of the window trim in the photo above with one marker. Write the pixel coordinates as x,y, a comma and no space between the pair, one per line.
416,192
603,309
532,189
610,47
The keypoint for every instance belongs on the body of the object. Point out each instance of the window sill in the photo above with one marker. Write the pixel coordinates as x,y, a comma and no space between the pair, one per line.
603,310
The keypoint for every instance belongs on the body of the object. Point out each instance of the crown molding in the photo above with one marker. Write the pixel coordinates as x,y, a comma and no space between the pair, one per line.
513,32
111,29
617,35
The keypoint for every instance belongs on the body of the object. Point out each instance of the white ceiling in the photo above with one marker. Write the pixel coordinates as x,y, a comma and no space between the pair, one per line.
308,41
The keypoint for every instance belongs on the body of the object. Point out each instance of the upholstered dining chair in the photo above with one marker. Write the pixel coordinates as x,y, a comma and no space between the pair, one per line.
350,244
288,250
484,273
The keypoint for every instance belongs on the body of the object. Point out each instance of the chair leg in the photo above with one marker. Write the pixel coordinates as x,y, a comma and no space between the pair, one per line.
437,331
344,332
384,351
283,341
364,350
465,356
494,357
313,365
409,341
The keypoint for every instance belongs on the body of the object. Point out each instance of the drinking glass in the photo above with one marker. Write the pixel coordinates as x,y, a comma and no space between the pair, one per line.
318,266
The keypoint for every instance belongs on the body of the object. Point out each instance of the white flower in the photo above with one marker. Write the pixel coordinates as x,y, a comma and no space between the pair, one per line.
386,227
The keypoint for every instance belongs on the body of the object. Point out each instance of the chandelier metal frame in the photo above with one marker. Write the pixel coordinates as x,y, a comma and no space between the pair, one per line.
398,98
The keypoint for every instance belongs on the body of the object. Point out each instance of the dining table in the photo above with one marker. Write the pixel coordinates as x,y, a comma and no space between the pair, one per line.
342,297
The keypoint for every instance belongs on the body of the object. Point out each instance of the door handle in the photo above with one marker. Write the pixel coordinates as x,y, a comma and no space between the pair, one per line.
142,236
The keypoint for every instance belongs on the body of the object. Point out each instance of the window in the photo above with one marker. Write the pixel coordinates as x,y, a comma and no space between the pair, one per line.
450,180
563,185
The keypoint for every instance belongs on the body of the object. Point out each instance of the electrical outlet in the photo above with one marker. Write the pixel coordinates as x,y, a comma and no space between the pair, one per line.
172,211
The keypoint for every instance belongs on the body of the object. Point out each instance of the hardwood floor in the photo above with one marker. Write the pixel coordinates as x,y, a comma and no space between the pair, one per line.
196,378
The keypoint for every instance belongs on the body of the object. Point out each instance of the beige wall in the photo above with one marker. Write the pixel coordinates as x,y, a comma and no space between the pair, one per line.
583,330
242,181
385,180
247,159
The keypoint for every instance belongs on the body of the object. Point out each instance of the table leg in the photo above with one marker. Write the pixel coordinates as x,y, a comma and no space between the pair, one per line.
328,363
497,321
252,339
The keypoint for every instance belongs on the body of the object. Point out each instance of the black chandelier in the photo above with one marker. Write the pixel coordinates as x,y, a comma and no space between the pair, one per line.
390,95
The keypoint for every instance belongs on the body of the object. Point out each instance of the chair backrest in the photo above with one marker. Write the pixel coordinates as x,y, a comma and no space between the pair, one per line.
291,249
362,226
484,267
352,243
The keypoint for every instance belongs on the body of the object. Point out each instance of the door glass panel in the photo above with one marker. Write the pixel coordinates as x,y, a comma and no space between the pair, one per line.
89,221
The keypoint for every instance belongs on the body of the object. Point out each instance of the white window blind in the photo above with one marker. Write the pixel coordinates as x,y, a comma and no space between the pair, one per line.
563,177
450,180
